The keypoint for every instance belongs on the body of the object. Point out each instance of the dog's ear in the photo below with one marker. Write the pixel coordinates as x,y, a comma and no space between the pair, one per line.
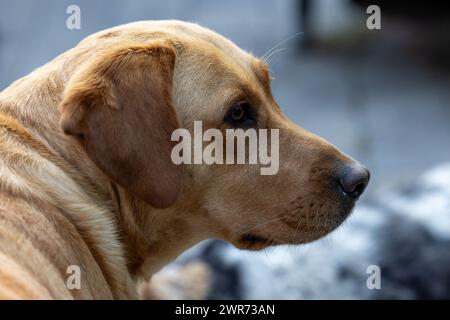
119,107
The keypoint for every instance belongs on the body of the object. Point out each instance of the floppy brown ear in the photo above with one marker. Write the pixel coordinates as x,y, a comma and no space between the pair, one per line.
120,109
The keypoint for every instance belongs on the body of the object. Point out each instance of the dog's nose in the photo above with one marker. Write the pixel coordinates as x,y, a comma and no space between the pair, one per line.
354,180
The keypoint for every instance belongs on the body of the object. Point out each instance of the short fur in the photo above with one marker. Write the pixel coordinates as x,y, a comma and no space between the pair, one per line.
85,171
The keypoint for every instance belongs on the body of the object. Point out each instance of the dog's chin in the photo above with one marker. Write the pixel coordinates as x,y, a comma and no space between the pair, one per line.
256,242
299,235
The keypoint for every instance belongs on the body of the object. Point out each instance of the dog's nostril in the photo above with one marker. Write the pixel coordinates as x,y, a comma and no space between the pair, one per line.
355,180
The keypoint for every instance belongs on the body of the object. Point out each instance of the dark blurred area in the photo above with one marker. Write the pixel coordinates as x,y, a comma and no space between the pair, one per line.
427,23
382,96
415,11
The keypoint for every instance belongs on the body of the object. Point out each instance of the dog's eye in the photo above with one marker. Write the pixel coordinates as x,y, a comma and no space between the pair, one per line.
237,113
240,115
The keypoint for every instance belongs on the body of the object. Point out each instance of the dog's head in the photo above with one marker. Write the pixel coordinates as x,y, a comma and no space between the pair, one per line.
146,80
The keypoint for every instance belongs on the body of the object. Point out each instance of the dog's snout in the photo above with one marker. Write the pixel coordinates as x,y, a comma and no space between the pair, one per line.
354,180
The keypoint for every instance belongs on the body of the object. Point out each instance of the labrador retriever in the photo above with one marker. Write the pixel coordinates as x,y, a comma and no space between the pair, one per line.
88,187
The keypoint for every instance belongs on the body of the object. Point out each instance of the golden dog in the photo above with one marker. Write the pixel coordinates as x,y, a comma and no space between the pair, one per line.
86,177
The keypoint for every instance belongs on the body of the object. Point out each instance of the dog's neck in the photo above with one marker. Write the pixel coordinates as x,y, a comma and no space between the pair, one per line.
137,240
154,237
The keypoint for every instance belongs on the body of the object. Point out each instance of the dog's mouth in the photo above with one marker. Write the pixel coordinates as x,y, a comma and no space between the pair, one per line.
251,241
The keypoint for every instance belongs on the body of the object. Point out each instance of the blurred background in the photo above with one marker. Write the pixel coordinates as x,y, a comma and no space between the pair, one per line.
382,96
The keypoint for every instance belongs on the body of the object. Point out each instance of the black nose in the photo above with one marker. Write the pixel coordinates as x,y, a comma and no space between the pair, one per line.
354,180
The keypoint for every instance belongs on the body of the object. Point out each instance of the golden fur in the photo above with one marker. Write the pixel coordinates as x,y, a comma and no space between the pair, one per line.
85,174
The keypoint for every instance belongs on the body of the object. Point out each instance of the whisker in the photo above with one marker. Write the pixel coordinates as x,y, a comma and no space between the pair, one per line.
267,222
315,220
269,52
300,221
321,219
326,221
307,217
298,224
273,53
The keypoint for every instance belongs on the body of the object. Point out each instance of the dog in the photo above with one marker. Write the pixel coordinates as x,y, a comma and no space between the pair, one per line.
86,175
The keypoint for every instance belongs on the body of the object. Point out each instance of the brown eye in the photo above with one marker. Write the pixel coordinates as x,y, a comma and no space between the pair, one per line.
237,113
241,114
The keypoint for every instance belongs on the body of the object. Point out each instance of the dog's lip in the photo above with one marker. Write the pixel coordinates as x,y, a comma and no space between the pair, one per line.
253,241
253,238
